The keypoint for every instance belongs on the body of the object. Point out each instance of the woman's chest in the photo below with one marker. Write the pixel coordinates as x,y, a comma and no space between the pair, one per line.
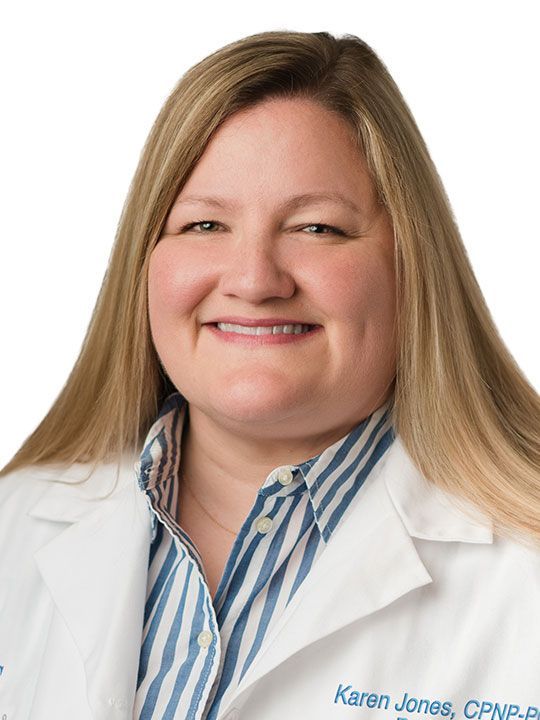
414,659
215,552
213,543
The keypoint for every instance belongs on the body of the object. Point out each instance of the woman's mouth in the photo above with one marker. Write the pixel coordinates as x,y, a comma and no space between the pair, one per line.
263,334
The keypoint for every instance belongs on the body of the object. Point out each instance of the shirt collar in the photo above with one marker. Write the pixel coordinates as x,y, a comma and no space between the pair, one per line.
332,478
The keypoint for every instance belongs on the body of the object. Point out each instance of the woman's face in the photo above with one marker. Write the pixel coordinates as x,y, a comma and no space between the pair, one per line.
255,257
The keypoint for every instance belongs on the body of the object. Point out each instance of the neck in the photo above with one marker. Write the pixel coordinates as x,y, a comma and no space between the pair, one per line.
226,469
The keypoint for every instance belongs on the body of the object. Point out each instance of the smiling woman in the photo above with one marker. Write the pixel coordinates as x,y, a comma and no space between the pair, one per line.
295,457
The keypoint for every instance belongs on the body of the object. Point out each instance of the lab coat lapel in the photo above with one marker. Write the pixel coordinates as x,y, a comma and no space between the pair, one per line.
96,572
370,561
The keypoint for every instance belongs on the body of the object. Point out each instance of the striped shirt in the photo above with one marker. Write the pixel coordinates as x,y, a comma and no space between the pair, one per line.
195,649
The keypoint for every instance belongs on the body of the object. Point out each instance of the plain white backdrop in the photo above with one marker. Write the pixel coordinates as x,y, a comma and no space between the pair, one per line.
83,83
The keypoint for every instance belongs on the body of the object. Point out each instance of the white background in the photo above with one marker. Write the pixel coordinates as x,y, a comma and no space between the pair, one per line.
83,83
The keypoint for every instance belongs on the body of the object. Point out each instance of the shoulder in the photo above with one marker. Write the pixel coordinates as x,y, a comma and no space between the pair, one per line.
20,488
450,528
20,536
521,556
59,494
82,480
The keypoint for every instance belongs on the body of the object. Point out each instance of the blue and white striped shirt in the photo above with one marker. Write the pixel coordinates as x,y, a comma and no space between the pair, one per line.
195,650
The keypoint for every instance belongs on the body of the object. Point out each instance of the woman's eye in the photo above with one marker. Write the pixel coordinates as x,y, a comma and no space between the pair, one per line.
198,222
330,229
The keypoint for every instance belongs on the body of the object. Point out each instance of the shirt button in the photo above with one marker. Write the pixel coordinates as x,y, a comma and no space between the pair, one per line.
285,475
264,524
205,638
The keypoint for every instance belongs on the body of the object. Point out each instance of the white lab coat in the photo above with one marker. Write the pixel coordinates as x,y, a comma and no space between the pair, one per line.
411,596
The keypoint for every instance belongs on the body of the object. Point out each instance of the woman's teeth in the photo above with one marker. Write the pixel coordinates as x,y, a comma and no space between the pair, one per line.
264,330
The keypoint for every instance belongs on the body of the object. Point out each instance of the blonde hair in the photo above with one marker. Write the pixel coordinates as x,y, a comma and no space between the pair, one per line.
464,410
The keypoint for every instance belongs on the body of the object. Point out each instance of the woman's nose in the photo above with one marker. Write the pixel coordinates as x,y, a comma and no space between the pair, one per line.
256,270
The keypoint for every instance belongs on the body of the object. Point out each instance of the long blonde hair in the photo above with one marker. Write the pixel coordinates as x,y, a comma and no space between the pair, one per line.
464,410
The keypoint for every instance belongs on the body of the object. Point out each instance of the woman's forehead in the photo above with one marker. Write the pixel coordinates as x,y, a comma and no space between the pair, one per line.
297,154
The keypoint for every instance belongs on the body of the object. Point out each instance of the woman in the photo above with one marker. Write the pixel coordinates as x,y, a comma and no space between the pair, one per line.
295,471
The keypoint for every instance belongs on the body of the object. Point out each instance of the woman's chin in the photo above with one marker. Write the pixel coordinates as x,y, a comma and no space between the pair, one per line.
260,402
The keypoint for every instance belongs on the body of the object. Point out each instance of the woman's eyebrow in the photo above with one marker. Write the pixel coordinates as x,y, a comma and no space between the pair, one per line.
293,202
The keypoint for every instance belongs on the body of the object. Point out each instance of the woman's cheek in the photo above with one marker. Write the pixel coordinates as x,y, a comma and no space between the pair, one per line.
175,283
355,292
370,285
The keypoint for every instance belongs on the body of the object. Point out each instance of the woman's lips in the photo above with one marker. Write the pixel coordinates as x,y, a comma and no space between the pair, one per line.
254,340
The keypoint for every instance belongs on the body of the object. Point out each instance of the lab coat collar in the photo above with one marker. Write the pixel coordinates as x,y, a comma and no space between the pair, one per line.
372,556
96,569
96,572
428,512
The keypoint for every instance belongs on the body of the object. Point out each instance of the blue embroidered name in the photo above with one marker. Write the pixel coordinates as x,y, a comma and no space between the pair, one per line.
472,710
358,699
487,710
